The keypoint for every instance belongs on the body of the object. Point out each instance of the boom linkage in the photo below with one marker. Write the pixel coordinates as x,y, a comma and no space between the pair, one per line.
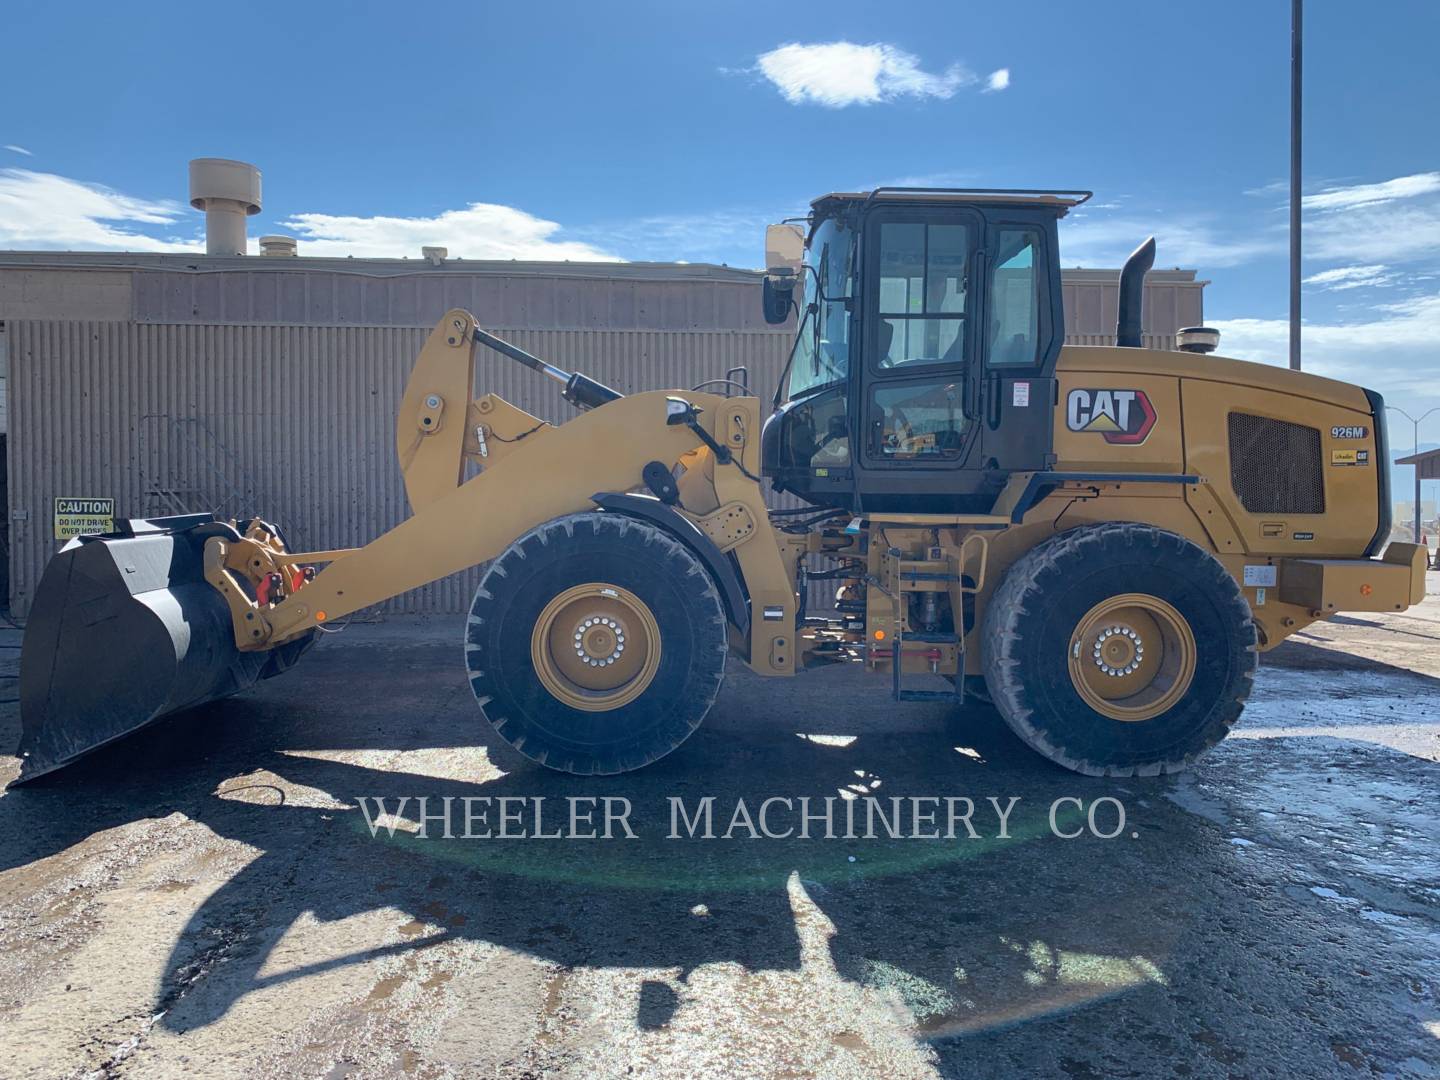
530,472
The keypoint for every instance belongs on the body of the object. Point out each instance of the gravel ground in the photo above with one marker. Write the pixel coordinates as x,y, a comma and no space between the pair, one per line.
206,898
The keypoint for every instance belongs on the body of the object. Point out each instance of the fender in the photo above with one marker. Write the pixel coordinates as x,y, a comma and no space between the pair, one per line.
722,571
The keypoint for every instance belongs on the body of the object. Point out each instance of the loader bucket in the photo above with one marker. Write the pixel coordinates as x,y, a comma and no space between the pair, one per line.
124,629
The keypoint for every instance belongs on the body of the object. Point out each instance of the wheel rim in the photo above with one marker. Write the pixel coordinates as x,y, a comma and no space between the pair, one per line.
596,647
1132,657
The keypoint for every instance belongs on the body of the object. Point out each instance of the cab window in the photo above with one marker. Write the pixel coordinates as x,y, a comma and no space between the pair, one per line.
919,420
1014,337
923,293
816,434
822,347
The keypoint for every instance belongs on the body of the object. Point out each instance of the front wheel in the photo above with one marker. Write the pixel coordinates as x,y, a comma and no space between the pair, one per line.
1119,650
595,644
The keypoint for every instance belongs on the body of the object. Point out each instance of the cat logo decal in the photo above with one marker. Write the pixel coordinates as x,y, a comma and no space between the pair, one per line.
1122,416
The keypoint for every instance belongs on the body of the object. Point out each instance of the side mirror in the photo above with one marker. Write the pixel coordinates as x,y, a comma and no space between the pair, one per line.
784,258
775,298
784,249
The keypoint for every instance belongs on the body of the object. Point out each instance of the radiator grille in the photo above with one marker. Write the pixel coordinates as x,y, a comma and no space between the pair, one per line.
1275,466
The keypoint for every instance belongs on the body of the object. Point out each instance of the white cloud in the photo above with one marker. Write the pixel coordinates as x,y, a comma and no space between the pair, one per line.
840,73
18,149
1371,225
1351,277
45,211
1402,187
1391,350
1274,187
715,237
1387,234
48,212
1104,240
1392,221
480,231
997,80
1376,232
949,179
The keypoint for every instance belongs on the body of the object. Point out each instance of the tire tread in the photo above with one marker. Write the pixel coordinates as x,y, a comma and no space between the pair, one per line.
702,680
1021,595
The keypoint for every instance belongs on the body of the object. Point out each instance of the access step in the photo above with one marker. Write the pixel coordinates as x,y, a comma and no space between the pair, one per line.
929,695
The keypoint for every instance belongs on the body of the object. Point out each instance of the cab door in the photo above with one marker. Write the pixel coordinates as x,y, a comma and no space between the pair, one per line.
1023,332
917,391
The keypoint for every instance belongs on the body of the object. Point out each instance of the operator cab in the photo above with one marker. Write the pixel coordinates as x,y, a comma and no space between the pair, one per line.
923,369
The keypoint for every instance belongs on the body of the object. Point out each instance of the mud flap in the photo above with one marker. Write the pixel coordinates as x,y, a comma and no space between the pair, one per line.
124,630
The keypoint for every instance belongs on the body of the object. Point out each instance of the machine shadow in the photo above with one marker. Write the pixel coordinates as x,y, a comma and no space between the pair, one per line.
1297,654
907,913
971,934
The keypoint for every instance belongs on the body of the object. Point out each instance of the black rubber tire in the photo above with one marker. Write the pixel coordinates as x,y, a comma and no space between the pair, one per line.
574,550
1044,595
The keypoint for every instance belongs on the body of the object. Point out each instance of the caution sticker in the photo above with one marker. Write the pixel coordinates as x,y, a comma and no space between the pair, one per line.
79,517
1349,457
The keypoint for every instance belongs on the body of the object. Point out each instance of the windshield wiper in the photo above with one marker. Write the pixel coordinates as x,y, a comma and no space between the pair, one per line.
811,317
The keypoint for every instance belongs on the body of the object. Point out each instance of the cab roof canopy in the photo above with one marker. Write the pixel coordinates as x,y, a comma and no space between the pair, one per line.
1059,201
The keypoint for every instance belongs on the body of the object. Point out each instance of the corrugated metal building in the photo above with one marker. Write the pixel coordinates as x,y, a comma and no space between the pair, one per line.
175,383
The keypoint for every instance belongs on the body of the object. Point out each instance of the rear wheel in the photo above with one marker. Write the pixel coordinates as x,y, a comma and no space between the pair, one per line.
595,644
1119,650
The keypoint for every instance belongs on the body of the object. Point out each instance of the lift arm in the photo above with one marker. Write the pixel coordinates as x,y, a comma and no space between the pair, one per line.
552,472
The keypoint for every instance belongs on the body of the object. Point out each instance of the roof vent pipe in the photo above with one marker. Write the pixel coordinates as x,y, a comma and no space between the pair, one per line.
279,245
1128,326
228,191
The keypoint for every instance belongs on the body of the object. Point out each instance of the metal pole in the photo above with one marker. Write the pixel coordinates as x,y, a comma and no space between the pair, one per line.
1417,481
1416,443
1418,521
1296,82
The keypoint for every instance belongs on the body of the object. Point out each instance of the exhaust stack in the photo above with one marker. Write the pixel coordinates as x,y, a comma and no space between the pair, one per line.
228,191
1128,326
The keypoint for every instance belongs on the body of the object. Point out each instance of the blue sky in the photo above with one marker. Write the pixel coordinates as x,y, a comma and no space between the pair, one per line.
677,130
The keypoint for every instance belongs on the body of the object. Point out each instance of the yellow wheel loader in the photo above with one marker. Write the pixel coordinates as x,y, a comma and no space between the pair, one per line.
1096,540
